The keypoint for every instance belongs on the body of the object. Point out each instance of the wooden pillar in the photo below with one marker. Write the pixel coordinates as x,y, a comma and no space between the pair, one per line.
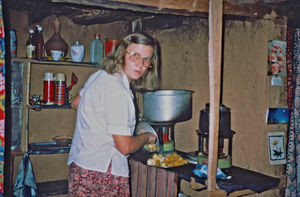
214,60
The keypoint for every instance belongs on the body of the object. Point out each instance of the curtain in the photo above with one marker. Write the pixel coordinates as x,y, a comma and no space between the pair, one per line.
2,99
293,81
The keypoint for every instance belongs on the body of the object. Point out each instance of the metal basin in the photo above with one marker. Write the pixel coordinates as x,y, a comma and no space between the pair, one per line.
167,105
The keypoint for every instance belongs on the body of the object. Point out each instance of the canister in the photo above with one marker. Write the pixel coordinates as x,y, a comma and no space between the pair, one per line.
110,45
48,92
60,88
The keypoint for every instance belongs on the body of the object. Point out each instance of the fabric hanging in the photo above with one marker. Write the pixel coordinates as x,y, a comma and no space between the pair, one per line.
293,77
25,185
2,100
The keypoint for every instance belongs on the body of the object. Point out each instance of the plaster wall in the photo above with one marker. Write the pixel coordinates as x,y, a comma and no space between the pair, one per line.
246,86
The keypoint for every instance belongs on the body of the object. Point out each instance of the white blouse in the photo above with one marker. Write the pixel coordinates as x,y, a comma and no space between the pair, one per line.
106,107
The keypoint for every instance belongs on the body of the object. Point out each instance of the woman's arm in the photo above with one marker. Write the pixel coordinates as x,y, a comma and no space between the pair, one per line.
75,102
130,144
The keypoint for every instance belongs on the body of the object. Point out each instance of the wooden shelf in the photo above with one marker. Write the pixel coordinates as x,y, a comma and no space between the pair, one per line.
51,188
57,63
47,148
39,107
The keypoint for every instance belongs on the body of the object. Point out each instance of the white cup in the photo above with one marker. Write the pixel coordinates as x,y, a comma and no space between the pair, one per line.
56,54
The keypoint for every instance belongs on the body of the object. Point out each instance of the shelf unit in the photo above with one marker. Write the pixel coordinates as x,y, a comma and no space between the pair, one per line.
41,123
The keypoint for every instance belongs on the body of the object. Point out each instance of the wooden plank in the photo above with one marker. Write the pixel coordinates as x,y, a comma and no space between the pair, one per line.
177,7
133,177
254,9
214,53
191,5
149,181
152,183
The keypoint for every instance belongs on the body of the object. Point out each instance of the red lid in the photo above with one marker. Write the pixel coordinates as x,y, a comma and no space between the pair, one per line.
96,35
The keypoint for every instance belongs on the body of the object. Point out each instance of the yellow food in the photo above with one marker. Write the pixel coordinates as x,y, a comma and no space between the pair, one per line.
170,160
151,147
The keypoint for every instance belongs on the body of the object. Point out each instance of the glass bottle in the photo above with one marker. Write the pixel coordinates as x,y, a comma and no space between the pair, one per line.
30,45
39,43
96,50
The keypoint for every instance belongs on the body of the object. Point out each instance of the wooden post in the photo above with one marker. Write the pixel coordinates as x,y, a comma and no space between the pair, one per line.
214,60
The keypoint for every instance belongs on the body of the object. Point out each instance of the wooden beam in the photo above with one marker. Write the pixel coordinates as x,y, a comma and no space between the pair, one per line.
254,9
215,18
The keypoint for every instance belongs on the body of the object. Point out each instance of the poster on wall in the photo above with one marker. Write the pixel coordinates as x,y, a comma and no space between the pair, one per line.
276,148
277,115
276,58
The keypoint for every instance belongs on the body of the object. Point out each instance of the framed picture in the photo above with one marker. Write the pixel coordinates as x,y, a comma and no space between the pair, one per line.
277,58
277,153
277,115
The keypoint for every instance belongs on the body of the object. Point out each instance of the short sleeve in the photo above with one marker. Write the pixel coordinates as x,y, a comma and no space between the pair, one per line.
120,113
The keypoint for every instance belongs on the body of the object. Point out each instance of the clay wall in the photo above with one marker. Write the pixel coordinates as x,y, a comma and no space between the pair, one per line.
246,87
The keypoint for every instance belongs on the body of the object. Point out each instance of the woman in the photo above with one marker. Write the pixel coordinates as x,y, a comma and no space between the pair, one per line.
106,120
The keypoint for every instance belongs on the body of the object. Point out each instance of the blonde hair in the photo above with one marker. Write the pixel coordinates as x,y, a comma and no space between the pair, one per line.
114,62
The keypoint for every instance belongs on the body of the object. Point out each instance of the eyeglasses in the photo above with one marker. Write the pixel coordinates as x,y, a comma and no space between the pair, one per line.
136,58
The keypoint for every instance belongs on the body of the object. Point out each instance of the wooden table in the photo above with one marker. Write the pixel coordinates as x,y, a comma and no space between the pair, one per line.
152,181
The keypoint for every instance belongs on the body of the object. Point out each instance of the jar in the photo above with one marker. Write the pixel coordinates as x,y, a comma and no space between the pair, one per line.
77,52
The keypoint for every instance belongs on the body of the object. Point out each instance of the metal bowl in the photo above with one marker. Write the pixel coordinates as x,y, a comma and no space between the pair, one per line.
167,105
63,140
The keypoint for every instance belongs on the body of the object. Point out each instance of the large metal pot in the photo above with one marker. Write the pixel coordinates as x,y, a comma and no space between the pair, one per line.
167,105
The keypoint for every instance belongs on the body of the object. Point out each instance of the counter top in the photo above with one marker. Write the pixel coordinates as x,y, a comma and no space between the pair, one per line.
242,179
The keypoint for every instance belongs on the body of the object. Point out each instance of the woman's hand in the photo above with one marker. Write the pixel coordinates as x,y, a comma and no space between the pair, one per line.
130,144
151,138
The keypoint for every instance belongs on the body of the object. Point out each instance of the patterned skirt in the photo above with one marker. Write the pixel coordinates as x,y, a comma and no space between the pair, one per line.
91,183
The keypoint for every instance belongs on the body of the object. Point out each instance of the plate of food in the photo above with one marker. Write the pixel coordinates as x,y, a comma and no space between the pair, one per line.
144,127
169,160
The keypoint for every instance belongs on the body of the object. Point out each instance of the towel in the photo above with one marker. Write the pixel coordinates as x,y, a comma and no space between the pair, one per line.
25,185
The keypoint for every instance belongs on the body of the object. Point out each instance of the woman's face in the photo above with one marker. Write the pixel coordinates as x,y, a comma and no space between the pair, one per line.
138,59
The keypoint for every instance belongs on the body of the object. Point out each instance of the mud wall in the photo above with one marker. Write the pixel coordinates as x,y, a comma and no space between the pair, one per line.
246,87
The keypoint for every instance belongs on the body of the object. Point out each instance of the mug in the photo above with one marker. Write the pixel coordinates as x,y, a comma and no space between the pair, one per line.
56,55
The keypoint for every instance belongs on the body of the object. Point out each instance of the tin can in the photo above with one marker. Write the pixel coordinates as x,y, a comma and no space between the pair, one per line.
110,45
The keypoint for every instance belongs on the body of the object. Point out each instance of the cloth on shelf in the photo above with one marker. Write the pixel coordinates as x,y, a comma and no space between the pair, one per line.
201,171
25,185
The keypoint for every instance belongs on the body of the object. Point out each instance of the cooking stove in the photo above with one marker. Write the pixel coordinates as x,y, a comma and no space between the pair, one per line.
165,133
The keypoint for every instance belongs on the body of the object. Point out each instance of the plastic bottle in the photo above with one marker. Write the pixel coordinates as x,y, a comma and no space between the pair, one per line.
30,45
13,43
48,93
96,50
39,43
60,89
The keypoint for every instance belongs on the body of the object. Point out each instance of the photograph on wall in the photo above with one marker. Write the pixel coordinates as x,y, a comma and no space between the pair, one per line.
276,148
276,58
277,116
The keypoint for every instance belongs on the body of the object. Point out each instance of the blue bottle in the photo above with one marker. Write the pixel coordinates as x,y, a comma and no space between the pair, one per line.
96,50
